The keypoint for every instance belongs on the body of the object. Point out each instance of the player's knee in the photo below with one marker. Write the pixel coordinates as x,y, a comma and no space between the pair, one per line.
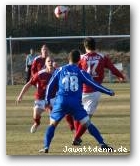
53,122
85,121
90,116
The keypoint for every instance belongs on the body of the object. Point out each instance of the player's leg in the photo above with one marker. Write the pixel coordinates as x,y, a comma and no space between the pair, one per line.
49,134
90,102
81,115
56,115
92,129
70,121
39,107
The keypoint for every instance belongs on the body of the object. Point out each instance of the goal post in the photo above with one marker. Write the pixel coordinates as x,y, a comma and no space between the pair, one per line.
18,46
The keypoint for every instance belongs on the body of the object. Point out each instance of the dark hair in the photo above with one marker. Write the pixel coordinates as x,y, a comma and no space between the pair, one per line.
89,43
44,45
74,56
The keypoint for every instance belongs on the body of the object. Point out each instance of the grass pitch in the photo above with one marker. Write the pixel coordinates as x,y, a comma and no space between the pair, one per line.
112,118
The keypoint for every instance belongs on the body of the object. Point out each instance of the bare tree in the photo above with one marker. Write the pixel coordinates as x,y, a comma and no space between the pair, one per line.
13,14
95,10
19,15
27,12
37,11
109,19
111,13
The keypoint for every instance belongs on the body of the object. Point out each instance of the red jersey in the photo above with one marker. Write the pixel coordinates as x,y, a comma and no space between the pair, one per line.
95,64
37,64
40,80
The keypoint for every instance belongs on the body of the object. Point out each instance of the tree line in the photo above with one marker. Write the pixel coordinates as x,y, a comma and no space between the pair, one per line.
39,20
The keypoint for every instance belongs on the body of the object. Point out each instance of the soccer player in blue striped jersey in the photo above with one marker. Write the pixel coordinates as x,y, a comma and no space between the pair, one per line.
69,79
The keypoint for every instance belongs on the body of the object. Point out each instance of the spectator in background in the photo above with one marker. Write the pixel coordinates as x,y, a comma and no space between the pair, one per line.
29,60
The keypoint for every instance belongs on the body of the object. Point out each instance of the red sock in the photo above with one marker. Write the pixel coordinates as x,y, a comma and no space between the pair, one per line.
81,130
37,120
70,121
76,125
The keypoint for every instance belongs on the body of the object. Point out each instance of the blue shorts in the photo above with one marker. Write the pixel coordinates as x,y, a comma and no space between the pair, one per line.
67,105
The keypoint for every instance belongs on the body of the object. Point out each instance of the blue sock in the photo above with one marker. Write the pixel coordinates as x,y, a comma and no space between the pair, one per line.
49,134
95,133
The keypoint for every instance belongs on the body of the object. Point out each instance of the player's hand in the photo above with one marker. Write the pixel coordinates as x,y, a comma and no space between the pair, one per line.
48,108
122,79
26,69
19,99
112,93
47,103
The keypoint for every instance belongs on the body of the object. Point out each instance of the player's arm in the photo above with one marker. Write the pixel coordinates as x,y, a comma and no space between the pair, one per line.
23,91
87,79
32,81
113,69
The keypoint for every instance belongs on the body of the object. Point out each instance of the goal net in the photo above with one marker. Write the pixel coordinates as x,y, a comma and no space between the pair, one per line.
117,47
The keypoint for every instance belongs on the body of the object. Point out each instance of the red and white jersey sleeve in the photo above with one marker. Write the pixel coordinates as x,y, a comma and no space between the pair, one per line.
41,79
95,64
109,65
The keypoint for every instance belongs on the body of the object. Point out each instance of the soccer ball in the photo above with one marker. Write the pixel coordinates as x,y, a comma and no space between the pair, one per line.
61,12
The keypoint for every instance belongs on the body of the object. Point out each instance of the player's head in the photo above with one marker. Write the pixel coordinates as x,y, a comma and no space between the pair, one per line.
74,56
44,51
89,43
31,51
49,62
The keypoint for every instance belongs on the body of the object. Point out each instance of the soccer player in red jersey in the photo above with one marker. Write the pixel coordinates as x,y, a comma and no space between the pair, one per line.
39,61
40,79
38,64
95,64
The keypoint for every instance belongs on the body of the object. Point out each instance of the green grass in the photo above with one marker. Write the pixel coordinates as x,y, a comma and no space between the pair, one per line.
112,118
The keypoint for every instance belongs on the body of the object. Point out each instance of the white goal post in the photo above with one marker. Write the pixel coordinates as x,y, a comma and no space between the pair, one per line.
10,39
